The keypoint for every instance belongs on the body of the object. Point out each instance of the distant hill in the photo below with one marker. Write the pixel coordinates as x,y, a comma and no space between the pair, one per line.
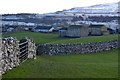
97,13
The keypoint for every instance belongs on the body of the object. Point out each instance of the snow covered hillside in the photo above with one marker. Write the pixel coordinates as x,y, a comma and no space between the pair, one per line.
109,9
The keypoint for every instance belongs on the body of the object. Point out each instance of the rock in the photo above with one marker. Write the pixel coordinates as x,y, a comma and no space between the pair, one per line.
55,49
10,52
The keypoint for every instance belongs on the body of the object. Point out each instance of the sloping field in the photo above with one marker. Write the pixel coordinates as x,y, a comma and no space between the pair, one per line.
53,38
93,65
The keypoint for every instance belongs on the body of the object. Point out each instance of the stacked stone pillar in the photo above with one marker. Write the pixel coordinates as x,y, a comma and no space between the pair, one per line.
10,53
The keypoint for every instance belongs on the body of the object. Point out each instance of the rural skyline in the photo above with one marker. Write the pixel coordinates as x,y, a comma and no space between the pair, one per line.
45,6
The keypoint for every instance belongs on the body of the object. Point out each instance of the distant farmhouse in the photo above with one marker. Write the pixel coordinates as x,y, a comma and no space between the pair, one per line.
10,29
111,31
75,31
15,29
57,28
97,30
118,31
84,30
46,29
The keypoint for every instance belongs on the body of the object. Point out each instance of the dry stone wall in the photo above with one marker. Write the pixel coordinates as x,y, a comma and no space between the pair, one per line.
10,52
31,48
55,49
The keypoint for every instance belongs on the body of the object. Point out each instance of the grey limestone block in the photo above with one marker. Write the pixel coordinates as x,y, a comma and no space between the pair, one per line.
54,49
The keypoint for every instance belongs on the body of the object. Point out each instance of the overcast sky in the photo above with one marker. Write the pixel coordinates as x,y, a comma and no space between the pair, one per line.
45,6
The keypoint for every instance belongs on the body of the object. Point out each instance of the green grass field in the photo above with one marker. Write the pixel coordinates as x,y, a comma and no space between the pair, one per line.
39,38
53,38
93,65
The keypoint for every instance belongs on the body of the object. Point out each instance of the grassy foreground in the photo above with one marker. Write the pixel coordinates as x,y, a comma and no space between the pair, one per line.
53,38
92,65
